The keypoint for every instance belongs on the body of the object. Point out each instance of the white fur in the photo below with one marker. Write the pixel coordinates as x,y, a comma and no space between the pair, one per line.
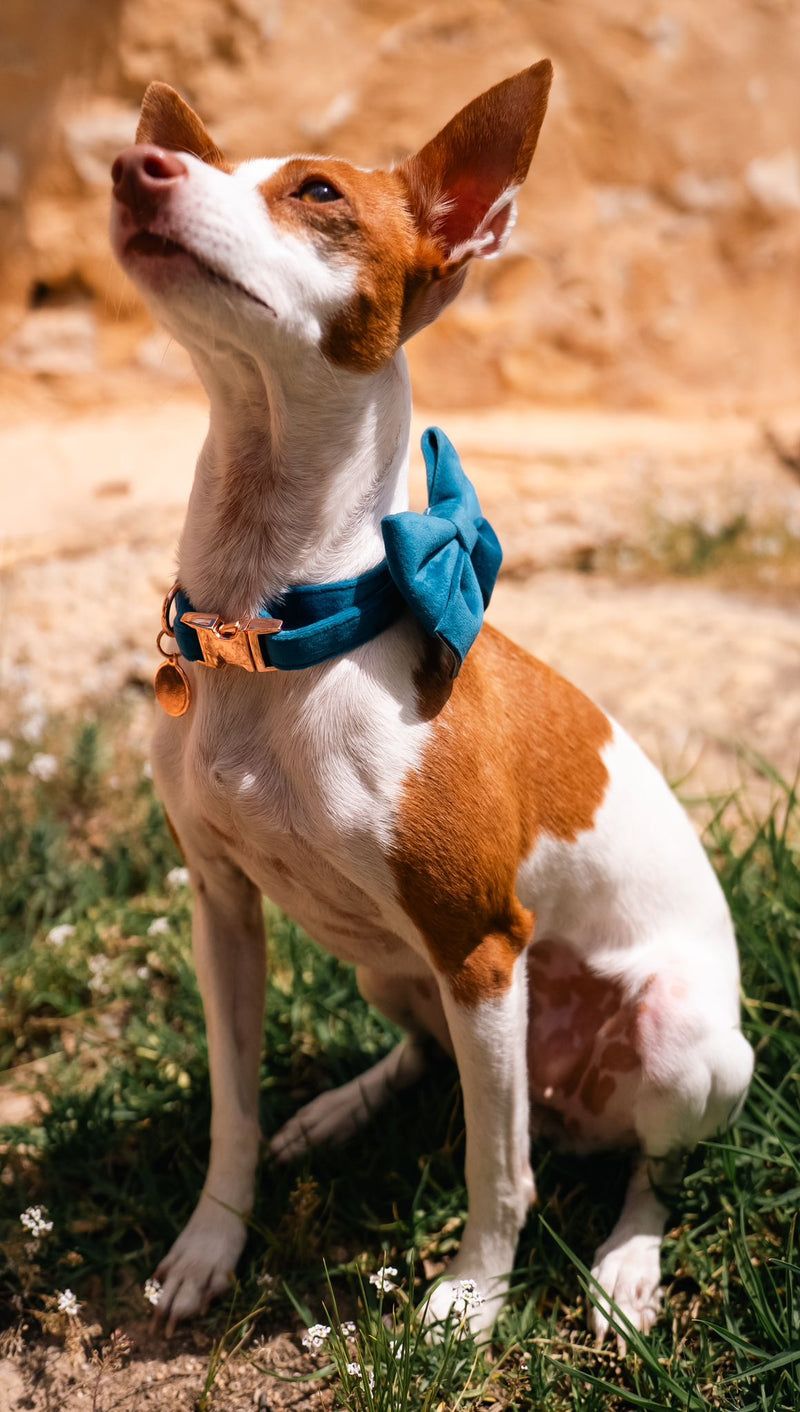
222,218
289,784
627,1266
492,1066
639,878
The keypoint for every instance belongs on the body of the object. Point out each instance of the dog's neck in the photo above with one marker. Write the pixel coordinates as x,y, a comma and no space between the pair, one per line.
293,481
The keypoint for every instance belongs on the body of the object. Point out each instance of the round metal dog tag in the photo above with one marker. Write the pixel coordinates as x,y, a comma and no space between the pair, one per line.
172,689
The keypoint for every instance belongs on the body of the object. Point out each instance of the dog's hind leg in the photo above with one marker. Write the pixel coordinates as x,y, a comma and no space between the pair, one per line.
627,1266
695,1073
336,1115
230,956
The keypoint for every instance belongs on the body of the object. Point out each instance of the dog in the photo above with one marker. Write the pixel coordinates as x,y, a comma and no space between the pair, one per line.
503,866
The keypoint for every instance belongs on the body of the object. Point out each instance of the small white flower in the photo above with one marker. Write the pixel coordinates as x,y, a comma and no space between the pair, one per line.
99,966
67,1303
6,751
43,767
465,1296
349,1329
32,727
178,877
58,935
354,1369
144,973
316,1337
383,1281
265,1281
35,1220
370,1379
158,927
152,1291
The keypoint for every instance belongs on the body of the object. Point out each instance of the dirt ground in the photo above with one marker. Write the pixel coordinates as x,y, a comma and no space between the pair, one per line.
154,1376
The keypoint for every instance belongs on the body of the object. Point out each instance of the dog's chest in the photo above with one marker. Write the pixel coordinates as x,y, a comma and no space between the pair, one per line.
302,791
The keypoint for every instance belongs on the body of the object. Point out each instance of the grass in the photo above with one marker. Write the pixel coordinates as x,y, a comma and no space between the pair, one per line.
730,553
105,1017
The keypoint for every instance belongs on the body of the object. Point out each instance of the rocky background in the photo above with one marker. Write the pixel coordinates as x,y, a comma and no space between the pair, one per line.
656,258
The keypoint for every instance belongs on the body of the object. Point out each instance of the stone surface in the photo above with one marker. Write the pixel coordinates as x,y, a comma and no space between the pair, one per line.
655,258
10,176
96,136
55,342
775,181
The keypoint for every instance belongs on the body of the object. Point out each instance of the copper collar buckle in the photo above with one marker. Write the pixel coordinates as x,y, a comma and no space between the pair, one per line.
232,644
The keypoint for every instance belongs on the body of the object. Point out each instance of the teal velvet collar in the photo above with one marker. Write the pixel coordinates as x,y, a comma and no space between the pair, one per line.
441,564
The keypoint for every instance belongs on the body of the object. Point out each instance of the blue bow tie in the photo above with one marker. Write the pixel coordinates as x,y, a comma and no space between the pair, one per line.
445,562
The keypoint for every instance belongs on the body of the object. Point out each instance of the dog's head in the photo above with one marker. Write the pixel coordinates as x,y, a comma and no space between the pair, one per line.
310,256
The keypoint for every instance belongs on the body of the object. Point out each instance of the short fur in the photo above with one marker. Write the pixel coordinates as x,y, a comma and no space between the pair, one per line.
459,842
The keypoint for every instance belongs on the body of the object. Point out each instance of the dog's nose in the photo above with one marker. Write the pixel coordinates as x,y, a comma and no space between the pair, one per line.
142,175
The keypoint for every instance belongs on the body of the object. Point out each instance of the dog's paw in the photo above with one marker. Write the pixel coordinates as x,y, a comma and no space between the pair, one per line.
200,1264
631,1275
336,1115
464,1303
331,1117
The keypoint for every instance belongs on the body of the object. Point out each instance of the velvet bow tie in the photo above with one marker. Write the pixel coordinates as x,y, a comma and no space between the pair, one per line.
445,561
441,564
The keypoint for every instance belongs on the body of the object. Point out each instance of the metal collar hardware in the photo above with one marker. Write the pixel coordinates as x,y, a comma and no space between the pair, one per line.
232,644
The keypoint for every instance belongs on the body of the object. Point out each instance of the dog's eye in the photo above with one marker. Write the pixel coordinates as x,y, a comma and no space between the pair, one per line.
318,192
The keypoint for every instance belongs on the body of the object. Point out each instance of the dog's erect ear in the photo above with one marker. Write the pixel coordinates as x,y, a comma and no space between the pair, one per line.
168,122
461,186
463,182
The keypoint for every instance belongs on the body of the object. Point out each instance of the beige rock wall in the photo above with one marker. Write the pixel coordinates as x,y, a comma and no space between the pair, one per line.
657,256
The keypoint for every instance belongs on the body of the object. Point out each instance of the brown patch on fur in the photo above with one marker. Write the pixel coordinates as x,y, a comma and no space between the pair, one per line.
168,121
399,229
485,970
371,229
621,1056
596,1090
515,753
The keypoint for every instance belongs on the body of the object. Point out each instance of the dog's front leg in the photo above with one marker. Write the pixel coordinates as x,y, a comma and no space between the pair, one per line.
489,1039
230,956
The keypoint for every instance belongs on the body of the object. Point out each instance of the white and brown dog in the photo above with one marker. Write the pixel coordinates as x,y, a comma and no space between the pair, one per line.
499,860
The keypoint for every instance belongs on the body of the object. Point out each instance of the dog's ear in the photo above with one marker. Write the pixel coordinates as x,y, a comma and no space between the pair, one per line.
461,186
168,122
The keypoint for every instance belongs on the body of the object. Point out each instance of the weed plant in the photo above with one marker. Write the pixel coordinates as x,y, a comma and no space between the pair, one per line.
99,1010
